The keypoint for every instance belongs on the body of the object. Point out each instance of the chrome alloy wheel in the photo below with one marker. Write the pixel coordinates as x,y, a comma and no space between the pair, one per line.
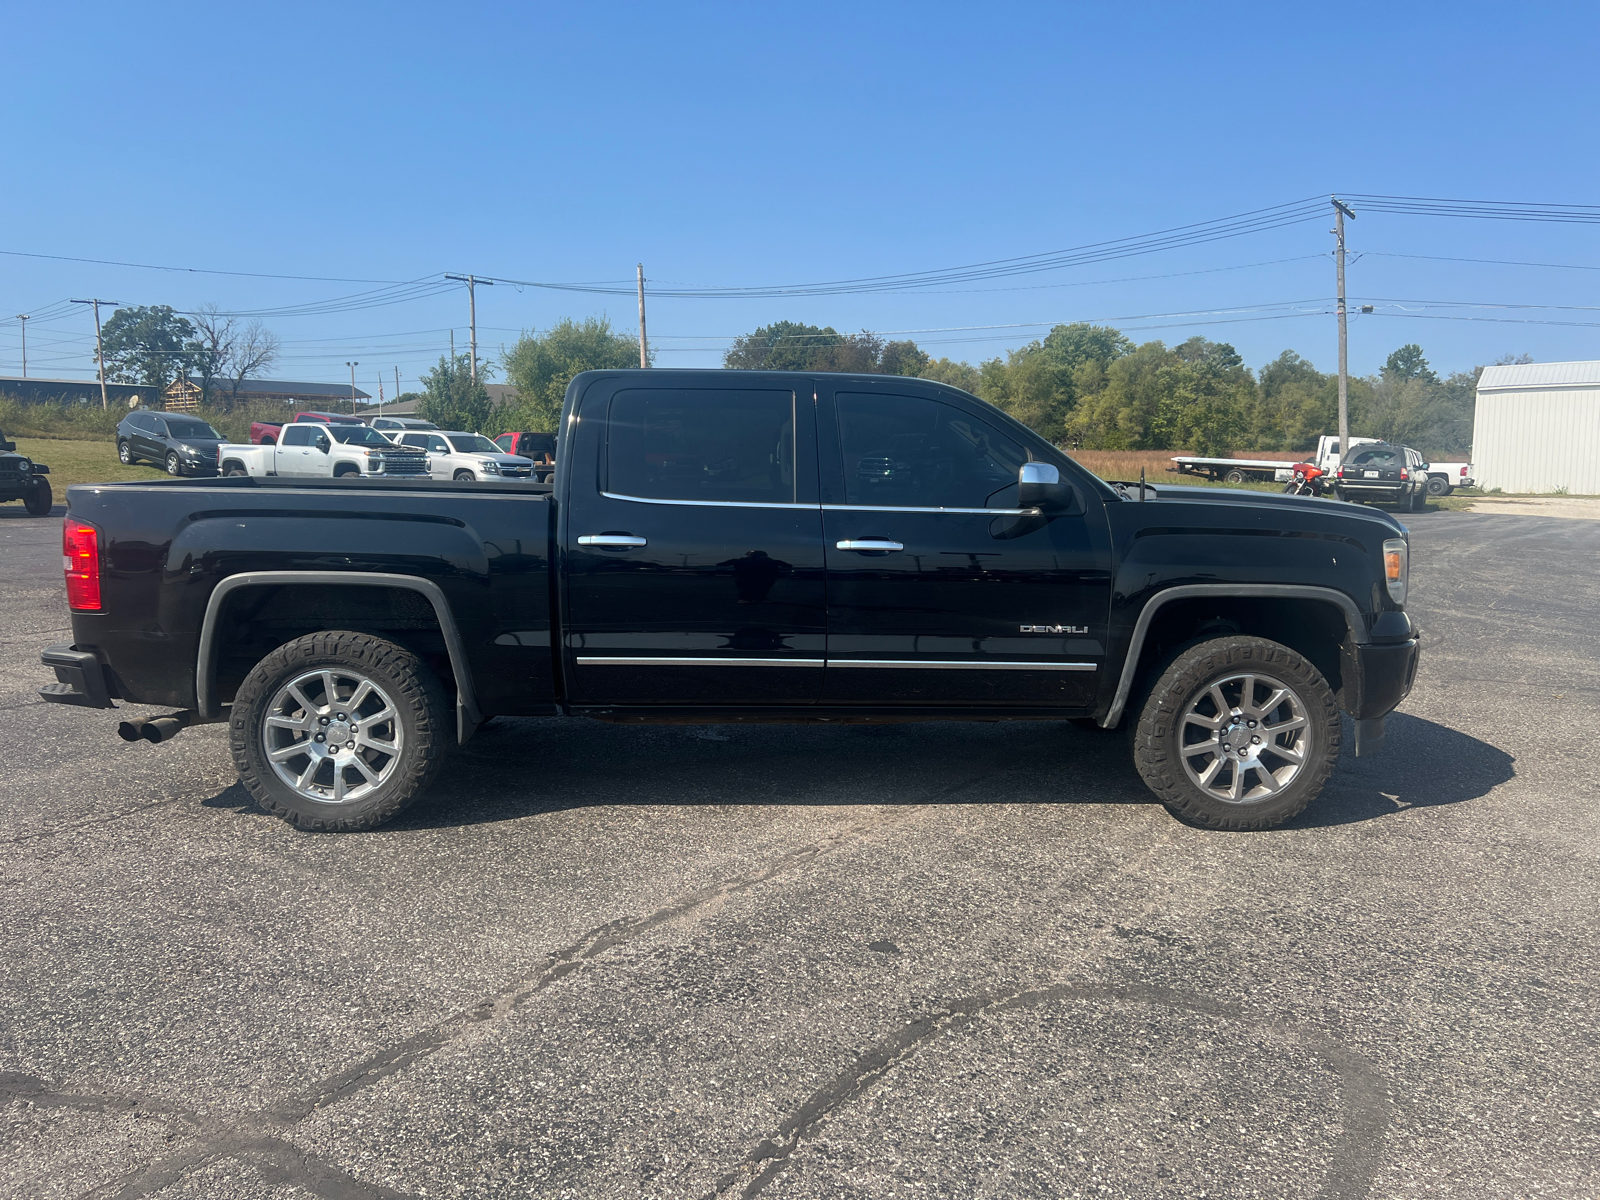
332,735
1244,738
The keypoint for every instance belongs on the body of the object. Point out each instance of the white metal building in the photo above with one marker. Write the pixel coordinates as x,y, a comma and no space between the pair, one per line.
1537,428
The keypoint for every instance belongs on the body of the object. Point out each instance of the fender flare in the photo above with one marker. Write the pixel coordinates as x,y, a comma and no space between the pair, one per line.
1355,623
468,715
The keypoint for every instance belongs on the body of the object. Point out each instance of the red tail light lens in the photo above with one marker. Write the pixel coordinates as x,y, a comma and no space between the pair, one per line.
80,558
1404,477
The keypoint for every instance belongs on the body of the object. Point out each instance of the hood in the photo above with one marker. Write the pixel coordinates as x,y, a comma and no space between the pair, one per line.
1272,501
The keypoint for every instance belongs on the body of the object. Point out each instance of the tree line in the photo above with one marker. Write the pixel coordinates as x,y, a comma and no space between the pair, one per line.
155,345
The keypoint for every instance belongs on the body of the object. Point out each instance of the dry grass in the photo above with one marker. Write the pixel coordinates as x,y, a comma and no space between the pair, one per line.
1125,464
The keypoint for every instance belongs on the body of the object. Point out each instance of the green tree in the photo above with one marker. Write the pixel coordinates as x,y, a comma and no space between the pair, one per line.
452,398
903,358
540,365
957,374
1121,414
1408,363
781,346
147,345
1072,345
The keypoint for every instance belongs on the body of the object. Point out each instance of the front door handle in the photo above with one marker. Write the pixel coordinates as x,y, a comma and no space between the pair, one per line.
611,539
870,543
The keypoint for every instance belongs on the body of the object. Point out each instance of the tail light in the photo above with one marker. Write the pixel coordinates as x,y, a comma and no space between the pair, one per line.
1463,472
1404,477
1341,472
80,558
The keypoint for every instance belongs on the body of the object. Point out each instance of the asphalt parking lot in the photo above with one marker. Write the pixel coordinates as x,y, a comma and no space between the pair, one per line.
927,960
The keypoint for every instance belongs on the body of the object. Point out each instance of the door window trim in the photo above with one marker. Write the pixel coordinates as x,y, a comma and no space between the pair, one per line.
708,503
994,512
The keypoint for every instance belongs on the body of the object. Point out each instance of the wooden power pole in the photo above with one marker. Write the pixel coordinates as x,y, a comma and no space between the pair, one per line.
644,347
472,282
1340,212
23,317
99,348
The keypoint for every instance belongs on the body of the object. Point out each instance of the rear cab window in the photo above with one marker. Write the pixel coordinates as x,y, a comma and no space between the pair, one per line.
712,445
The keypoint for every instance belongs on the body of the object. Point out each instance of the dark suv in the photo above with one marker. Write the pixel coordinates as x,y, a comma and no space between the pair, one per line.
1383,471
183,445
22,479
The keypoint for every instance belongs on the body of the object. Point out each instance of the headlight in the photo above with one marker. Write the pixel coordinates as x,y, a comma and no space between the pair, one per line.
187,449
23,466
1396,566
490,467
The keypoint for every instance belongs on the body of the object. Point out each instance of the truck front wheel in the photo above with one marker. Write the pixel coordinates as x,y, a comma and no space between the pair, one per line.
39,500
338,730
1238,733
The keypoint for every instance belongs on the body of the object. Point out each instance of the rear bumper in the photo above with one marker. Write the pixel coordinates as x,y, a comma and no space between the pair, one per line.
79,678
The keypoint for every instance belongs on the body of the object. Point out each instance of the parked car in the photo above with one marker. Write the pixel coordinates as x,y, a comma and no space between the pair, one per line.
459,455
539,448
23,479
265,433
184,445
393,427
1381,471
312,450
710,551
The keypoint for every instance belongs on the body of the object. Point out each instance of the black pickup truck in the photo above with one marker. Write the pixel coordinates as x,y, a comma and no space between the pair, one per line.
742,546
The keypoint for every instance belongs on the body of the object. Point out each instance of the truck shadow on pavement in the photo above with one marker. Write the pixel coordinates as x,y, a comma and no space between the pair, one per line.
523,767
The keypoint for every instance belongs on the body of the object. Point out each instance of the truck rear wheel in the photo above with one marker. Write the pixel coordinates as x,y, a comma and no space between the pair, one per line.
1438,485
1234,476
338,730
1238,733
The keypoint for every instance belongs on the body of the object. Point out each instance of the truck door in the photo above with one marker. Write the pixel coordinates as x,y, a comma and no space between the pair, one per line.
294,454
936,594
693,546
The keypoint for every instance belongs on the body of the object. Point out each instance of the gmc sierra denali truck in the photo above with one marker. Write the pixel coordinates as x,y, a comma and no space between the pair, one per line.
742,546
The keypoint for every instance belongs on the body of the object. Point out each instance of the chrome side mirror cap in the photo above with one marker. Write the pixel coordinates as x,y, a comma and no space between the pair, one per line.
1039,486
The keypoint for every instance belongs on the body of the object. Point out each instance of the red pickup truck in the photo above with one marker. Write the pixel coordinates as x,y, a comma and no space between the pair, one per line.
265,433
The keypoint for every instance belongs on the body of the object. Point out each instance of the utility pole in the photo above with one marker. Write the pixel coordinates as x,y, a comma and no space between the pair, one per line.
1340,212
23,317
397,385
472,282
99,349
352,366
644,349
380,393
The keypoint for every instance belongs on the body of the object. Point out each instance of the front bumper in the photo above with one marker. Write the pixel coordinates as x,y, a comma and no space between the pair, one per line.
80,680
1384,673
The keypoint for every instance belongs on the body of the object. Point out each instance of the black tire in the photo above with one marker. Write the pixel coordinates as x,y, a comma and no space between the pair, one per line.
1234,476
345,471
125,453
1438,486
40,499
174,464
1290,489
1185,685
234,470
464,477
405,682
1419,500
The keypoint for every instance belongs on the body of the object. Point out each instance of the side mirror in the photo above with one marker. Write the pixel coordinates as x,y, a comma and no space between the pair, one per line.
1039,486
321,443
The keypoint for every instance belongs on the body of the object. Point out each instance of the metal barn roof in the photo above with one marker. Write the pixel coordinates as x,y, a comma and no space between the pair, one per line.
1540,377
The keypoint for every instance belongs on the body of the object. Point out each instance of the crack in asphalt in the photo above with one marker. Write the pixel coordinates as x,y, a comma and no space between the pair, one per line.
1363,1091
254,1136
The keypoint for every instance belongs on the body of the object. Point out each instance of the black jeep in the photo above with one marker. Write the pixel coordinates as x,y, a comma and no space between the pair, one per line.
22,479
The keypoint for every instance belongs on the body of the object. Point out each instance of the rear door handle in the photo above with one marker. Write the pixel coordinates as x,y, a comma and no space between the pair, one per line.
871,543
611,539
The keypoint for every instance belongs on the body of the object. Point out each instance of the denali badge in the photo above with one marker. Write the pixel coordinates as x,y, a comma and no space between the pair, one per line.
1055,629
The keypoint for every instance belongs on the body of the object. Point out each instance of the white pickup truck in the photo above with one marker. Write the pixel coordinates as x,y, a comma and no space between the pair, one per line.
311,450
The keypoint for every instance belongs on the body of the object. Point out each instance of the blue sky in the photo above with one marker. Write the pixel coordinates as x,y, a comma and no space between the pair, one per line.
751,145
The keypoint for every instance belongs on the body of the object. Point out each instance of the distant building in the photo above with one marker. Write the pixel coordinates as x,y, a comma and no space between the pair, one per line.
1536,428
499,394
76,391
183,395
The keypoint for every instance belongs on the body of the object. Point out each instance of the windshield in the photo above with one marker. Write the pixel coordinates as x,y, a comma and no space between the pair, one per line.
358,435
473,443
188,427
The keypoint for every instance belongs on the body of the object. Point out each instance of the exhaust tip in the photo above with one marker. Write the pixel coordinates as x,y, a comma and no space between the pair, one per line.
130,731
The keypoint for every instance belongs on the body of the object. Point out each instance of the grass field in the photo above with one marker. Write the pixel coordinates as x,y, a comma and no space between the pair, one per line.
81,462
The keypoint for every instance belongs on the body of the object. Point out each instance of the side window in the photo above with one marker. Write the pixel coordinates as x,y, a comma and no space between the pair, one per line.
908,452
437,445
158,427
693,445
297,435
504,442
414,439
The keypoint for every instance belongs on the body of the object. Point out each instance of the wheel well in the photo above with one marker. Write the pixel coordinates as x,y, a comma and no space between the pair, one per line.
255,621
1313,628
344,469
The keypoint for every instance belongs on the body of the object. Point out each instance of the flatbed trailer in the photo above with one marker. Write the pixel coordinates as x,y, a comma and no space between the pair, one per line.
1232,470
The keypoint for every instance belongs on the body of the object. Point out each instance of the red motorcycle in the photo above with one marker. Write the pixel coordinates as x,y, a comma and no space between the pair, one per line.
1308,481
